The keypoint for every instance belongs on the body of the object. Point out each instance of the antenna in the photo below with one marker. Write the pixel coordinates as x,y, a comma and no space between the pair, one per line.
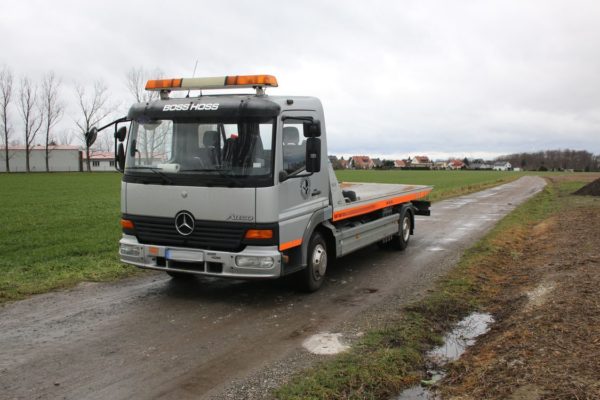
193,76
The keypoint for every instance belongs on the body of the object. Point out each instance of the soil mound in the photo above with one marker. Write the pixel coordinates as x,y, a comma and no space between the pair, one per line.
591,189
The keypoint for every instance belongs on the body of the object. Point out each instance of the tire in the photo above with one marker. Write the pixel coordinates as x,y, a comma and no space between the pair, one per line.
312,277
400,240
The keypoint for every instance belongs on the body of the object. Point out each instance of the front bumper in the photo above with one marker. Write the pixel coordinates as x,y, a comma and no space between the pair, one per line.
198,261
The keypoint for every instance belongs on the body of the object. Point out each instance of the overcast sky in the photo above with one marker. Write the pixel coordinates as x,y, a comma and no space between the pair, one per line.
396,78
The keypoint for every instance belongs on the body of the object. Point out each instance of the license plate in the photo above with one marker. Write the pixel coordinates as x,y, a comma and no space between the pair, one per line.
184,255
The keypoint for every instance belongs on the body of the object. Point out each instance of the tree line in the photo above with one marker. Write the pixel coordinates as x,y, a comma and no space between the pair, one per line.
36,108
555,160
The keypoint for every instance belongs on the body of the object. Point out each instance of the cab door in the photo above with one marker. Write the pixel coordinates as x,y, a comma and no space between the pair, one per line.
301,194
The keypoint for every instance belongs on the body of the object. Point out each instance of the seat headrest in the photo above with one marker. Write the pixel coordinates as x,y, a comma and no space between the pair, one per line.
211,139
290,135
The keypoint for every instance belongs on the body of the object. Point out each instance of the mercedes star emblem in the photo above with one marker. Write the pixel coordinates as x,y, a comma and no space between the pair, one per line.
184,223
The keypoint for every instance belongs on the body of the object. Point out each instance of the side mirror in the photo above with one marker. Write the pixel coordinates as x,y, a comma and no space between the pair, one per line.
121,134
313,155
121,157
90,136
312,129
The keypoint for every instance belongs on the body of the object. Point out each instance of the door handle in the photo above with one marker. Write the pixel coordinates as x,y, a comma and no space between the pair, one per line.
316,192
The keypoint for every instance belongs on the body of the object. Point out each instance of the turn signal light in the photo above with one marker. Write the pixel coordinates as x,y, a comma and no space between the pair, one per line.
126,224
259,234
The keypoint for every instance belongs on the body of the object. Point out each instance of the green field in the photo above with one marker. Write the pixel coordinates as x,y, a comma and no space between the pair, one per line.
58,229
62,228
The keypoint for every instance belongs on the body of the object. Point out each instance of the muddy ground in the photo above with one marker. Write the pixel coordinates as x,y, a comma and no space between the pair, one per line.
545,294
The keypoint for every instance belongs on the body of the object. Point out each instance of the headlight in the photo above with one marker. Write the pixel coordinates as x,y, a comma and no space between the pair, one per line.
130,250
254,262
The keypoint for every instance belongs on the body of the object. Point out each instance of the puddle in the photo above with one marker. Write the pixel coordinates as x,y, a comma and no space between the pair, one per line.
325,343
435,249
455,344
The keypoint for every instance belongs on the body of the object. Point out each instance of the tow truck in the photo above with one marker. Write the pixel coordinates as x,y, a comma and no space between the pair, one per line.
240,186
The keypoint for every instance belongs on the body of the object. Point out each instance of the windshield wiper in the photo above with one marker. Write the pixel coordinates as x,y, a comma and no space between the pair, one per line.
165,178
231,178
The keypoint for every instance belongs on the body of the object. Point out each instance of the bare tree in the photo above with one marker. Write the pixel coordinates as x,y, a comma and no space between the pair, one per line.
32,118
94,108
6,82
52,109
152,142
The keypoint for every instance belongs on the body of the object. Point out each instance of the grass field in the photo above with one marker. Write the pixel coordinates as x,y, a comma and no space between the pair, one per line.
58,229
62,228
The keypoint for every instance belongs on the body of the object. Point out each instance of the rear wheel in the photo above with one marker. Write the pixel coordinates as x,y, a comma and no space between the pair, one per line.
399,241
313,275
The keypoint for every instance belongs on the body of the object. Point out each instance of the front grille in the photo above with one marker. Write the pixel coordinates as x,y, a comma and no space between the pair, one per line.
208,235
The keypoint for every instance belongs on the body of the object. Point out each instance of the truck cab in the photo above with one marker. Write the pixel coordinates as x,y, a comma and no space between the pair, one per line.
240,186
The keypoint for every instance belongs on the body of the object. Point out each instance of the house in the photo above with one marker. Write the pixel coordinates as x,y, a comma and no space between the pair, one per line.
399,164
360,162
502,166
479,165
421,162
440,165
101,160
456,164
377,163
62,158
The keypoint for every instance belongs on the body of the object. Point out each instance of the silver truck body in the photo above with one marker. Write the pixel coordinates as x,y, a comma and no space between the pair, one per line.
160,203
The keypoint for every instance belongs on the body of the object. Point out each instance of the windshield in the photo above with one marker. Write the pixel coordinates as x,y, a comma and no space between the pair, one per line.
184,152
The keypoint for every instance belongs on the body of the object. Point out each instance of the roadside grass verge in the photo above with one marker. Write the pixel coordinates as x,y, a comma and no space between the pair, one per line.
383,362
58,229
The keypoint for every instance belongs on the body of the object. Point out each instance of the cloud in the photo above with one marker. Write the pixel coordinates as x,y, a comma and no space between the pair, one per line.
394,77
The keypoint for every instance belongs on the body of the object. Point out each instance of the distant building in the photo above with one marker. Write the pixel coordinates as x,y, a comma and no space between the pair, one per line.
62,158
480,165
101,160
360,162
440,165
421,162
456,164
502,166
399,164
377,163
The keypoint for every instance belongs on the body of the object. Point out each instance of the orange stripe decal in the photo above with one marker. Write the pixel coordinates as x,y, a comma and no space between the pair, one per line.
289,245
378,205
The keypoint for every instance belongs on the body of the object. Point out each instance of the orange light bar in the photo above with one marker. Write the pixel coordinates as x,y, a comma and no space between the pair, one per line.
259,234
163,84
251,80
127,224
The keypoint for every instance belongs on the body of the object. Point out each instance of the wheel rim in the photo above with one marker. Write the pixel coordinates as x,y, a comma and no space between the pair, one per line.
319,261
406,228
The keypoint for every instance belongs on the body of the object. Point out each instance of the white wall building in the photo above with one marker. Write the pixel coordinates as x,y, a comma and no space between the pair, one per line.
502,166
63,158
100,161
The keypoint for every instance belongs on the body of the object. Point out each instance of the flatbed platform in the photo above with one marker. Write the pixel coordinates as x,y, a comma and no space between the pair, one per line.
374,196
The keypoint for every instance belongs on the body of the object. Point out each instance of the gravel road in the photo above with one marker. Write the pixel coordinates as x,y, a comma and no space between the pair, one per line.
150,337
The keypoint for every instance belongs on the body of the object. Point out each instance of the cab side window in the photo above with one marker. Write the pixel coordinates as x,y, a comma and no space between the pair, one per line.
294,147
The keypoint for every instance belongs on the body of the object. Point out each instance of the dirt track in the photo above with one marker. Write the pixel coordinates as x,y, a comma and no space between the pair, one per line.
152,338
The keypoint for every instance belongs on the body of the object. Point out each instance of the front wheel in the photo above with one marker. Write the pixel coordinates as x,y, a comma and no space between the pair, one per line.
313,275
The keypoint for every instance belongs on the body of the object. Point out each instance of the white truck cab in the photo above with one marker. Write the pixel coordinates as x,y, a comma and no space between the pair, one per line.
240,186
